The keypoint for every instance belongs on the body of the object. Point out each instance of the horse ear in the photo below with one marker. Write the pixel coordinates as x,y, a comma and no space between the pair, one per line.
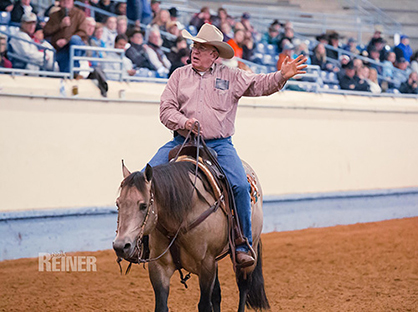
148,173
125,170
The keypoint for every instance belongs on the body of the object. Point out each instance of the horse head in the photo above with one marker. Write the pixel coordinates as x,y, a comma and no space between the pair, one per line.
136,213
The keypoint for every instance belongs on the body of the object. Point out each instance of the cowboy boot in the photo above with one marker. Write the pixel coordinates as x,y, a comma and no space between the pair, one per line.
244,259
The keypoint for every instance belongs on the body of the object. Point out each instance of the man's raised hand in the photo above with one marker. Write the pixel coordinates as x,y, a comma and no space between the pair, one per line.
294,67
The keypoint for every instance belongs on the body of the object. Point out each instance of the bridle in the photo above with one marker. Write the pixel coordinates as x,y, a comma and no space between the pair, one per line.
139,238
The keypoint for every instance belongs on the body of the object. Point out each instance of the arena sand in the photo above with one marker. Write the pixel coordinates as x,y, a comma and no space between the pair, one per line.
361,267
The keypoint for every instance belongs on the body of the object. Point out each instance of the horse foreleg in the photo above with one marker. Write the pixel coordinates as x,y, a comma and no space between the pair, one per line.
216,293
160,279
207,278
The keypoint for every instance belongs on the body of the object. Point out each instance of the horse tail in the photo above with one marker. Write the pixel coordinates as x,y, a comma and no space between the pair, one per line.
254,283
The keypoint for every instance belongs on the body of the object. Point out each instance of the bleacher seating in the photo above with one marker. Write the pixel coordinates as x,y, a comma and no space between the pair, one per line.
264,58
4,18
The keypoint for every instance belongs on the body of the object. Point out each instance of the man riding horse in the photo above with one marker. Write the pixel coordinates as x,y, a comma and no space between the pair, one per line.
208,92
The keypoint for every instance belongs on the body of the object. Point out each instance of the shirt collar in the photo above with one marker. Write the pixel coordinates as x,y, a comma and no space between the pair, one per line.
211,69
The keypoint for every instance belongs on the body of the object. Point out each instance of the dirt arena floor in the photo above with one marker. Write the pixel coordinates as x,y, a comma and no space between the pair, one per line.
362,267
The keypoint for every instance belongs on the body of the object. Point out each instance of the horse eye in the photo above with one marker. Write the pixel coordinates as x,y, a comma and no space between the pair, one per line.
142,206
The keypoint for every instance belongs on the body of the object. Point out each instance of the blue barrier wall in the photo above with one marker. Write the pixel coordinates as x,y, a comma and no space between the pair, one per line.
27,233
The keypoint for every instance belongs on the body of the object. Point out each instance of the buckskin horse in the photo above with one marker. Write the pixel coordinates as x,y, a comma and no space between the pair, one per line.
170,199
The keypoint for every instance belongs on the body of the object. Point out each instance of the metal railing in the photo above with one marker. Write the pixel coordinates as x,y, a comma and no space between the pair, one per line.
23,58
76,59
40,73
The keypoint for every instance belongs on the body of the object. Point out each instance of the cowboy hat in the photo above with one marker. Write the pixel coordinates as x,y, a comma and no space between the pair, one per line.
211,35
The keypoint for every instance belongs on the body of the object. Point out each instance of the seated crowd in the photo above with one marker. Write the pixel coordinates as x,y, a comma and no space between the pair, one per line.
380,68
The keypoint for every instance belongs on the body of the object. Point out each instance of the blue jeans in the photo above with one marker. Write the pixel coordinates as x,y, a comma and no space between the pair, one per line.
231,164
63,55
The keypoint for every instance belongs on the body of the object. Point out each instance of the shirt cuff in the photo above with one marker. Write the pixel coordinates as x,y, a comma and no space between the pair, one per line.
281,81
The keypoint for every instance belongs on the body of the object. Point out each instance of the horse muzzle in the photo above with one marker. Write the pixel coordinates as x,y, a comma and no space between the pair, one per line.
124,248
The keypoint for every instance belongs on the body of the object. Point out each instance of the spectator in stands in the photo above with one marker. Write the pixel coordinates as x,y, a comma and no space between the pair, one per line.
136,52
272,36
334,41
248,46
221,18
121,42
388,65
288,51
245,20
227,31
4,62
201,18
92,40
91,26
322,38
288,36
411,85
401,75
362,74
276,24
156,55
402,64
155,7
6,5
181,43
351,46
120,8
174,17
22,46
96,41
379,45
66,27
350,82
344,60
181,59
161,20
237,42
414,62
358,63
377,36
374,54
371,78
55,6
110,32
302,48
172,28
403,49
20,8
121,24
139,11
105,5
319,57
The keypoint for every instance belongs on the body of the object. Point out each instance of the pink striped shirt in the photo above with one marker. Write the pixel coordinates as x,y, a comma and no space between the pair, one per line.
212,98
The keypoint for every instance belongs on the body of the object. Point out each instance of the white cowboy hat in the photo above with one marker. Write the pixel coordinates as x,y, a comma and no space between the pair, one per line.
211,35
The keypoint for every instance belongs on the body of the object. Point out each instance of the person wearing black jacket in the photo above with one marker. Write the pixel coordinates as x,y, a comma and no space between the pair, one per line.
6,5
352,82
20,8
136,53
411,85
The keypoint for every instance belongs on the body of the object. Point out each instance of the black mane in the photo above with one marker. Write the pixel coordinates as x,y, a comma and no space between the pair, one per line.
172,187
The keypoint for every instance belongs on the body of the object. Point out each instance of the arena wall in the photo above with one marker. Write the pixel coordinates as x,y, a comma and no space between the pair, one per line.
61,152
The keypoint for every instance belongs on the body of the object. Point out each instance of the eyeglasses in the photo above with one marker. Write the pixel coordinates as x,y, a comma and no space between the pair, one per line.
200,47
